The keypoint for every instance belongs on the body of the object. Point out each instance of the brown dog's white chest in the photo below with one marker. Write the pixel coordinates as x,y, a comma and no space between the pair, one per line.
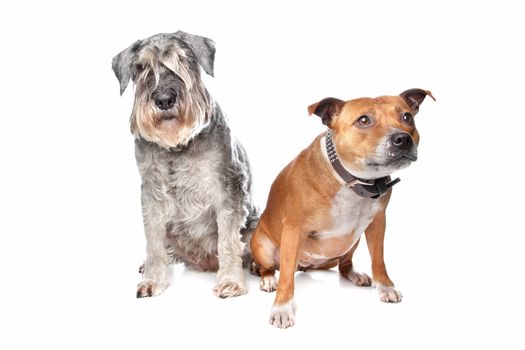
349,217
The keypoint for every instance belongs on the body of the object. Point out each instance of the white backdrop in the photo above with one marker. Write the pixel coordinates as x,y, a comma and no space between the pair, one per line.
71,236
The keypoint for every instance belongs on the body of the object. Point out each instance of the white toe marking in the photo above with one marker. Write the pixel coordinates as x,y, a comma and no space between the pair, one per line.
283,315
268,283
388,294
358,278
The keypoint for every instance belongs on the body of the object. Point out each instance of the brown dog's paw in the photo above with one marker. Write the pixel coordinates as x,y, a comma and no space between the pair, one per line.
268,283
358,278
388,294
229,288
283,315
149,289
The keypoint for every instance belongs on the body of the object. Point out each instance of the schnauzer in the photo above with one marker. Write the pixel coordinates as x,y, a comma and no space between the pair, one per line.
196,199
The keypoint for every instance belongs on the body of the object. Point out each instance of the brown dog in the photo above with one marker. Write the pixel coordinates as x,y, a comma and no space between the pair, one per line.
336,188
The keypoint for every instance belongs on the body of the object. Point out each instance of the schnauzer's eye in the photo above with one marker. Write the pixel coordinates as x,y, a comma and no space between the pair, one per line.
139,67
364,120
407,118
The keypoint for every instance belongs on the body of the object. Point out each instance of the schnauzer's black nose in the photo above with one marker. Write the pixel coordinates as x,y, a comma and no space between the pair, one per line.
402,141
165,101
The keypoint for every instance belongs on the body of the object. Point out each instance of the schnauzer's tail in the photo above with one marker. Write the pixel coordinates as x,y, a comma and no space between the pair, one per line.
246,236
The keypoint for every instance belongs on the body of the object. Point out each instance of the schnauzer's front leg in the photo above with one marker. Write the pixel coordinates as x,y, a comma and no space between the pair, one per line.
155,268
230,275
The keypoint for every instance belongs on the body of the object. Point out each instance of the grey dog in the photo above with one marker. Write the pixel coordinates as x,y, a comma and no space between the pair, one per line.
196,199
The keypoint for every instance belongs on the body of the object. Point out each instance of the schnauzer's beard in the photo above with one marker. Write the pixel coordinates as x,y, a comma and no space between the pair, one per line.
177,126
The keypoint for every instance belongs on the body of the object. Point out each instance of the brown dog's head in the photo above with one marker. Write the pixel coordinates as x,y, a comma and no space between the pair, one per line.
373,136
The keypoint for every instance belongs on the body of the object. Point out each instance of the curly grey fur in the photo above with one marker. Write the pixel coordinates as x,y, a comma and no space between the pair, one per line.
191,185
196,184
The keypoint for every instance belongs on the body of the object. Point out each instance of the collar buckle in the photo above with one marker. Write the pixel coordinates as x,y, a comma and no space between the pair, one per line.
359,182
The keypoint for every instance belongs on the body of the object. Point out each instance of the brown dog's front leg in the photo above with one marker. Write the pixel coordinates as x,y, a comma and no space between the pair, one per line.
375,235
283,309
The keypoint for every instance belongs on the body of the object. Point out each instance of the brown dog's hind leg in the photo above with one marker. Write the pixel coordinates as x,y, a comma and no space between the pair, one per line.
346,269
264,255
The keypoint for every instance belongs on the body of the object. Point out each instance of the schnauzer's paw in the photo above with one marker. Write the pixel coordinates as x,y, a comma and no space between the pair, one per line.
283,315
358,278
388,294
268,283
149,288
229,288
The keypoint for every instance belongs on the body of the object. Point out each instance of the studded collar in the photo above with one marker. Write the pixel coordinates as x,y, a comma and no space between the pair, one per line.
365,188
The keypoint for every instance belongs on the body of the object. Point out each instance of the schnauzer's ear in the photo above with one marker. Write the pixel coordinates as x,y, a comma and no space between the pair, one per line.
414,98
326,109
121,64
203,47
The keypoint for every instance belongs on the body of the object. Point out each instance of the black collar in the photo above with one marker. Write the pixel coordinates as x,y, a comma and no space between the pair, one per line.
364,188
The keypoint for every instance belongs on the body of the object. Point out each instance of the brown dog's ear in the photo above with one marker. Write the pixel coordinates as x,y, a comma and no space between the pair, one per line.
326,109
414,97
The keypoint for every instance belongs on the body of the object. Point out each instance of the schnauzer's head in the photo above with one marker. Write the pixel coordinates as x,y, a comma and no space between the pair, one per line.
171,103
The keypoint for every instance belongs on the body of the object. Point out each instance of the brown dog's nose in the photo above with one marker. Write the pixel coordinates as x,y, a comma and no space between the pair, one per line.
401,140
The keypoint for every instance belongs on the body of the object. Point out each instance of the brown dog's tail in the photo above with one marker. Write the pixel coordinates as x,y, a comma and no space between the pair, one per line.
246,236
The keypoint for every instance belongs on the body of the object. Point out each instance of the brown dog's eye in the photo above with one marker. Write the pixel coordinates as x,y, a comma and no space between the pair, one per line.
364,120
407,118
